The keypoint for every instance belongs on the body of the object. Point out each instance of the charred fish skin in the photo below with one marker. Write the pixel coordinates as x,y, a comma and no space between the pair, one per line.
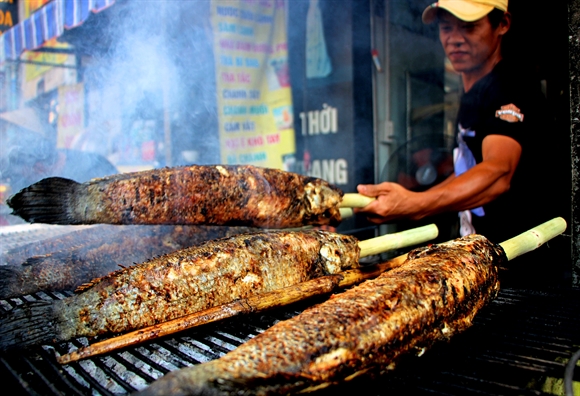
89,255
189,280
198,194
435,294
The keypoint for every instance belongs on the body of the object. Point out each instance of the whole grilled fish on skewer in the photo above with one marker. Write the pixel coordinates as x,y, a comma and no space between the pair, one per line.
250,305
435,294
90,255
270,299
186,281
194,195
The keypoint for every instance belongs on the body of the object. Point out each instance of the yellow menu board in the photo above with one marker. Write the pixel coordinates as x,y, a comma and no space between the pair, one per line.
256,122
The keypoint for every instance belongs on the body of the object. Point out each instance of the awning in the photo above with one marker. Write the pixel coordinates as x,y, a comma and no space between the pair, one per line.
46,23
26,118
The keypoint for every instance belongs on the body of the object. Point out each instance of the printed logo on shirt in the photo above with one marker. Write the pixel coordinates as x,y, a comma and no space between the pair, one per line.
509,113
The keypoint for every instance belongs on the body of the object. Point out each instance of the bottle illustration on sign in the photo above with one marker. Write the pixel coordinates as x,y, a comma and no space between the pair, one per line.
318,63
283,117
278,74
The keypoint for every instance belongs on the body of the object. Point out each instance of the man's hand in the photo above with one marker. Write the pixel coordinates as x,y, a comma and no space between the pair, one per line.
393,201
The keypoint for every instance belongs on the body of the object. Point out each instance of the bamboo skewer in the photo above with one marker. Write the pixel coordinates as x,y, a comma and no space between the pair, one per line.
354,200
397,240
345,212
514,247
533,238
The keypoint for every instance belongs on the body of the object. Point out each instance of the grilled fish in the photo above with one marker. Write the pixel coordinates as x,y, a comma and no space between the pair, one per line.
432,296
96,252
194,195
180,283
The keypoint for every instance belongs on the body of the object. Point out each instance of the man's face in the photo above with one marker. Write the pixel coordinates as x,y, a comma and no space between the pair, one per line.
468,45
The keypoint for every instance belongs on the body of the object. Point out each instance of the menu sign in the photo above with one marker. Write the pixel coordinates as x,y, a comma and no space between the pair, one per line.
256,122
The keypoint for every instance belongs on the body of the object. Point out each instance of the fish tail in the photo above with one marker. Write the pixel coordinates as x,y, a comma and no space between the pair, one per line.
28,325
46,201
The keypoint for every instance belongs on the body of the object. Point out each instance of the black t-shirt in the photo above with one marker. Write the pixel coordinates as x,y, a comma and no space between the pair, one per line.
529,201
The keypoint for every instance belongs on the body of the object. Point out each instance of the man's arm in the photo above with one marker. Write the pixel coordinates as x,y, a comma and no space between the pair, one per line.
479,185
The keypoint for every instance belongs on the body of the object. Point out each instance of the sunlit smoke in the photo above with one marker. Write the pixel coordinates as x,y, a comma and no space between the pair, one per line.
148,77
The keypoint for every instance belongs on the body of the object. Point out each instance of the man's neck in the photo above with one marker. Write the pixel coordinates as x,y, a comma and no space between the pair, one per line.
470,77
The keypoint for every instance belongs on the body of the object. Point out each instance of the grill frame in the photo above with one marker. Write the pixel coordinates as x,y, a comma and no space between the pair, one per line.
516,342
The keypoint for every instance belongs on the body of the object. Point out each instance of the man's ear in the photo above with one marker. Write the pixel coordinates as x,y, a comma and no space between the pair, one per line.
505,23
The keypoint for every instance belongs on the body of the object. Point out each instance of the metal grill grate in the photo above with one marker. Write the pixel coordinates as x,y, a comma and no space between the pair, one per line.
518,345
128,370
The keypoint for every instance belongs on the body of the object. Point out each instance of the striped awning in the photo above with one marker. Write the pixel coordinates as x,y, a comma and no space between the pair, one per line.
46,23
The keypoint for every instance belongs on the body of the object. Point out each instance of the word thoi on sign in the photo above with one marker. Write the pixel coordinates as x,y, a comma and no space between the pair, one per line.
317,122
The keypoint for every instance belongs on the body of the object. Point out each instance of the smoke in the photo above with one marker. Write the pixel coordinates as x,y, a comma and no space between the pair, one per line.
152,92
149,96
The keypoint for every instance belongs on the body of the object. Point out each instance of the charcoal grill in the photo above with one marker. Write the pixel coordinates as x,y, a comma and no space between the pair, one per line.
519,345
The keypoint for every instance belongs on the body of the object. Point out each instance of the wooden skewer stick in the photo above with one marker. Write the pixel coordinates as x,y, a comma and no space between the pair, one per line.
354,200
256,303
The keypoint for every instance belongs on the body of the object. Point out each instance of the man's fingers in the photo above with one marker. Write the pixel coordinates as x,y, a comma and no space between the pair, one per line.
370,190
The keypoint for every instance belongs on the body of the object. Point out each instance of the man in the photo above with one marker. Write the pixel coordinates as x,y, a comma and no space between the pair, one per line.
499,184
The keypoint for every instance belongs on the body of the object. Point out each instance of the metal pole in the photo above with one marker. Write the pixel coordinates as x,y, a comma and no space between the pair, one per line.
574,64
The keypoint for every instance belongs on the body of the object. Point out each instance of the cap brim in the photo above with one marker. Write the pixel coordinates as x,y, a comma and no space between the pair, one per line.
468,12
